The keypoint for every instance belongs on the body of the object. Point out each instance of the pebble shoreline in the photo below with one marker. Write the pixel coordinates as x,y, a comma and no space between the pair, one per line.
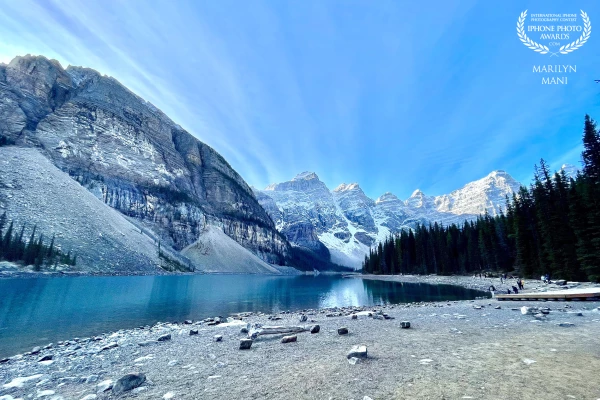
444,340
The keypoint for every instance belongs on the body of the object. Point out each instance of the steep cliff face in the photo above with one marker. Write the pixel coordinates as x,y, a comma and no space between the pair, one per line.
131,156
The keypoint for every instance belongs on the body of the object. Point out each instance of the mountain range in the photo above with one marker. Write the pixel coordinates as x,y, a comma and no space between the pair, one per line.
345,222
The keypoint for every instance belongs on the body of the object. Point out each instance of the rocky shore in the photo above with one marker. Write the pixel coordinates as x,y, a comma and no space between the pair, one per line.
483,283
480,349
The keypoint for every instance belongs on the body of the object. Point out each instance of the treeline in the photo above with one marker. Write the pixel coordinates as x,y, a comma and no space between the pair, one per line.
552,227
15,247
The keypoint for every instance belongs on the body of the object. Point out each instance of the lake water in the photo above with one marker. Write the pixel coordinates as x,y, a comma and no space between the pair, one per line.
43,310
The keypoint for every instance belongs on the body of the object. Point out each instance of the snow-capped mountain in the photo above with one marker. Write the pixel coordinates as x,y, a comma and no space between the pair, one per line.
348,222
570,170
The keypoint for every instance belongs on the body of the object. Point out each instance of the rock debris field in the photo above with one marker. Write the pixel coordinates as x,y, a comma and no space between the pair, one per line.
482,349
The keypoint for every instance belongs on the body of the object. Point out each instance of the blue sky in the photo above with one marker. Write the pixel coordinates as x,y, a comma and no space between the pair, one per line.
395,95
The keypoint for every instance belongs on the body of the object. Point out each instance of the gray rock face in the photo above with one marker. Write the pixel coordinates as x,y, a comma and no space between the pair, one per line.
131,156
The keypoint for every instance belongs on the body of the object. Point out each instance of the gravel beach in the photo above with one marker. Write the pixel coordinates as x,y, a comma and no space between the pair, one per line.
482,349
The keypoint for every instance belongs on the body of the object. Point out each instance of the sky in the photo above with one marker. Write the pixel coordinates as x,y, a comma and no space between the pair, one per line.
394,95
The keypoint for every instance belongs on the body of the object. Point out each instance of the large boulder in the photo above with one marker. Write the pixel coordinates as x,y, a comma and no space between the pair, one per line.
128,382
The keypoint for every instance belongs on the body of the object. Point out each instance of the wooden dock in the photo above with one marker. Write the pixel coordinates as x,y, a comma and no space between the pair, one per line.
591,294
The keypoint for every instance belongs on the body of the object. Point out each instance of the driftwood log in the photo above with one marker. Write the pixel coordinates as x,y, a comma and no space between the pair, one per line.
255,332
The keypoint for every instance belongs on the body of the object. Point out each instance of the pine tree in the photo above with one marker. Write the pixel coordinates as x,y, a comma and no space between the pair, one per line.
591,152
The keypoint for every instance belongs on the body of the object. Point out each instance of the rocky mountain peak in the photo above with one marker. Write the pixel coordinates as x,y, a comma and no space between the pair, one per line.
305,176
347,187
387,197
307,182
417,193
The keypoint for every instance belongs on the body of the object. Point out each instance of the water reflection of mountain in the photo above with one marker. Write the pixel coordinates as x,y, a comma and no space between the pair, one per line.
37,311
388,292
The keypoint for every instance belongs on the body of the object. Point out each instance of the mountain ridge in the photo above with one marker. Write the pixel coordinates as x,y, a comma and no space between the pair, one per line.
131,156
348,222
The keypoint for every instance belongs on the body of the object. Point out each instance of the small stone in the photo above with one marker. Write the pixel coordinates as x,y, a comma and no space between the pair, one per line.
378,316
35,350
164,338
289,339
45,393
89,397
168,395
405,324
110,346
218,338
497,307
566,324
245,344
315,329
147,343
342,331
359,351
528,361
354,316
128,382
193,332
527,310
244,330
173,363
47,357
104,386
91,379
353,360
303,318
188,322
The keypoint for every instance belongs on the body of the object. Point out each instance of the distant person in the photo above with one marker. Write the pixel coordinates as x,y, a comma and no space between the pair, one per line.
522,284
515,290
501,279
492,288
508,291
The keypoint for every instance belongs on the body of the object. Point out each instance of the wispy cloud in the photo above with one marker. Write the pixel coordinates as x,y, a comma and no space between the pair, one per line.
391,95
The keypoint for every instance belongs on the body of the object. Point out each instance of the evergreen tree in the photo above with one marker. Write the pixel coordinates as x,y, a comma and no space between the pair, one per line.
552,227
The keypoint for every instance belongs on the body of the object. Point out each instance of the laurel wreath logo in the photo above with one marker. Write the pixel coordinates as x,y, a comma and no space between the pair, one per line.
566,49
587,31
